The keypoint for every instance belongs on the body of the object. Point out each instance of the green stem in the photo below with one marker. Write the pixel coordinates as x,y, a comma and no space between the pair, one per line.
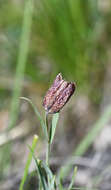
48,153
21,64
48,142
34,143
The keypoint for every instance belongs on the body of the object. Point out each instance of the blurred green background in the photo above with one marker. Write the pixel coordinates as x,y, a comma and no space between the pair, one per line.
72,37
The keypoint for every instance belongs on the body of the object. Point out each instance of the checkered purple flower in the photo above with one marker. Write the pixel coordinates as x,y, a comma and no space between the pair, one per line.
58,95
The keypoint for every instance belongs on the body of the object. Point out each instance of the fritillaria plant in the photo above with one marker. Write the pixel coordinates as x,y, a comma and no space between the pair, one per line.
55,99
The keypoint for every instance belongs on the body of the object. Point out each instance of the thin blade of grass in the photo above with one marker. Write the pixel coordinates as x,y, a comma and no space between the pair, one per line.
19,74
49,174
88,140
73,178
44,128
52,184
22,58
47,169
34,143
53,127
92,134
51,177
60,185
39,171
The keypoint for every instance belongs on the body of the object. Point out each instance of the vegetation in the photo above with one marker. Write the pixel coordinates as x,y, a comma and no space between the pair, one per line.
39,39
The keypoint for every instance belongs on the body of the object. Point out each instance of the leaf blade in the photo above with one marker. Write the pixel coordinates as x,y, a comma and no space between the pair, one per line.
53,127
38,115
39,171
73,178
34,143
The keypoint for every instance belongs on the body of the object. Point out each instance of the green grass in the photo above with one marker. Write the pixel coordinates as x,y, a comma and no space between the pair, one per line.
19,76
69,34
33,147
88,140
21,63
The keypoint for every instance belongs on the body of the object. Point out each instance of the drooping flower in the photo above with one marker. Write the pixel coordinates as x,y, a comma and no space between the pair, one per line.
58,94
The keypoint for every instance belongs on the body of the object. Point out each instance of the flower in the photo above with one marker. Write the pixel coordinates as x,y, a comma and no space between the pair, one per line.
58,94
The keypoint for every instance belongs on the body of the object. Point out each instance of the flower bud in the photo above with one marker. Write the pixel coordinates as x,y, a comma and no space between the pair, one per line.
58,95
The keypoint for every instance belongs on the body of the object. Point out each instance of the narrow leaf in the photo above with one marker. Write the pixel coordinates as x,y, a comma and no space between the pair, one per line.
53,126
73,178
39,171
60,185
50,176
89,138
52,184
34,143
47,170
21,62
38,116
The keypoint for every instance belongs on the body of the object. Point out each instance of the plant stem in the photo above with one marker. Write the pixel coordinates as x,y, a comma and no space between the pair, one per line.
48,141
48,153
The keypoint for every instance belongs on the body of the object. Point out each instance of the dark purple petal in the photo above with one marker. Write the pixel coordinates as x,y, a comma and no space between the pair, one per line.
62,98
58,94
50,95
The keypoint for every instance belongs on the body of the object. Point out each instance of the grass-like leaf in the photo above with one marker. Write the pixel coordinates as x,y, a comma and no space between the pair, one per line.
88,139
50,176
73,178
19,74
39,170
47,169
44,128
22,58
95,130
60,185
52,184
34,143
53,127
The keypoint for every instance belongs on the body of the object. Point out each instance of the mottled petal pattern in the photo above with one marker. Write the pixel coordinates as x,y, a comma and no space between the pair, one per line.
58,94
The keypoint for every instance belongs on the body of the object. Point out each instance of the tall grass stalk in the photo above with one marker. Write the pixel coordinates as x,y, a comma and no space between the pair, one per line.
20,69
22,58
88,140
34,143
